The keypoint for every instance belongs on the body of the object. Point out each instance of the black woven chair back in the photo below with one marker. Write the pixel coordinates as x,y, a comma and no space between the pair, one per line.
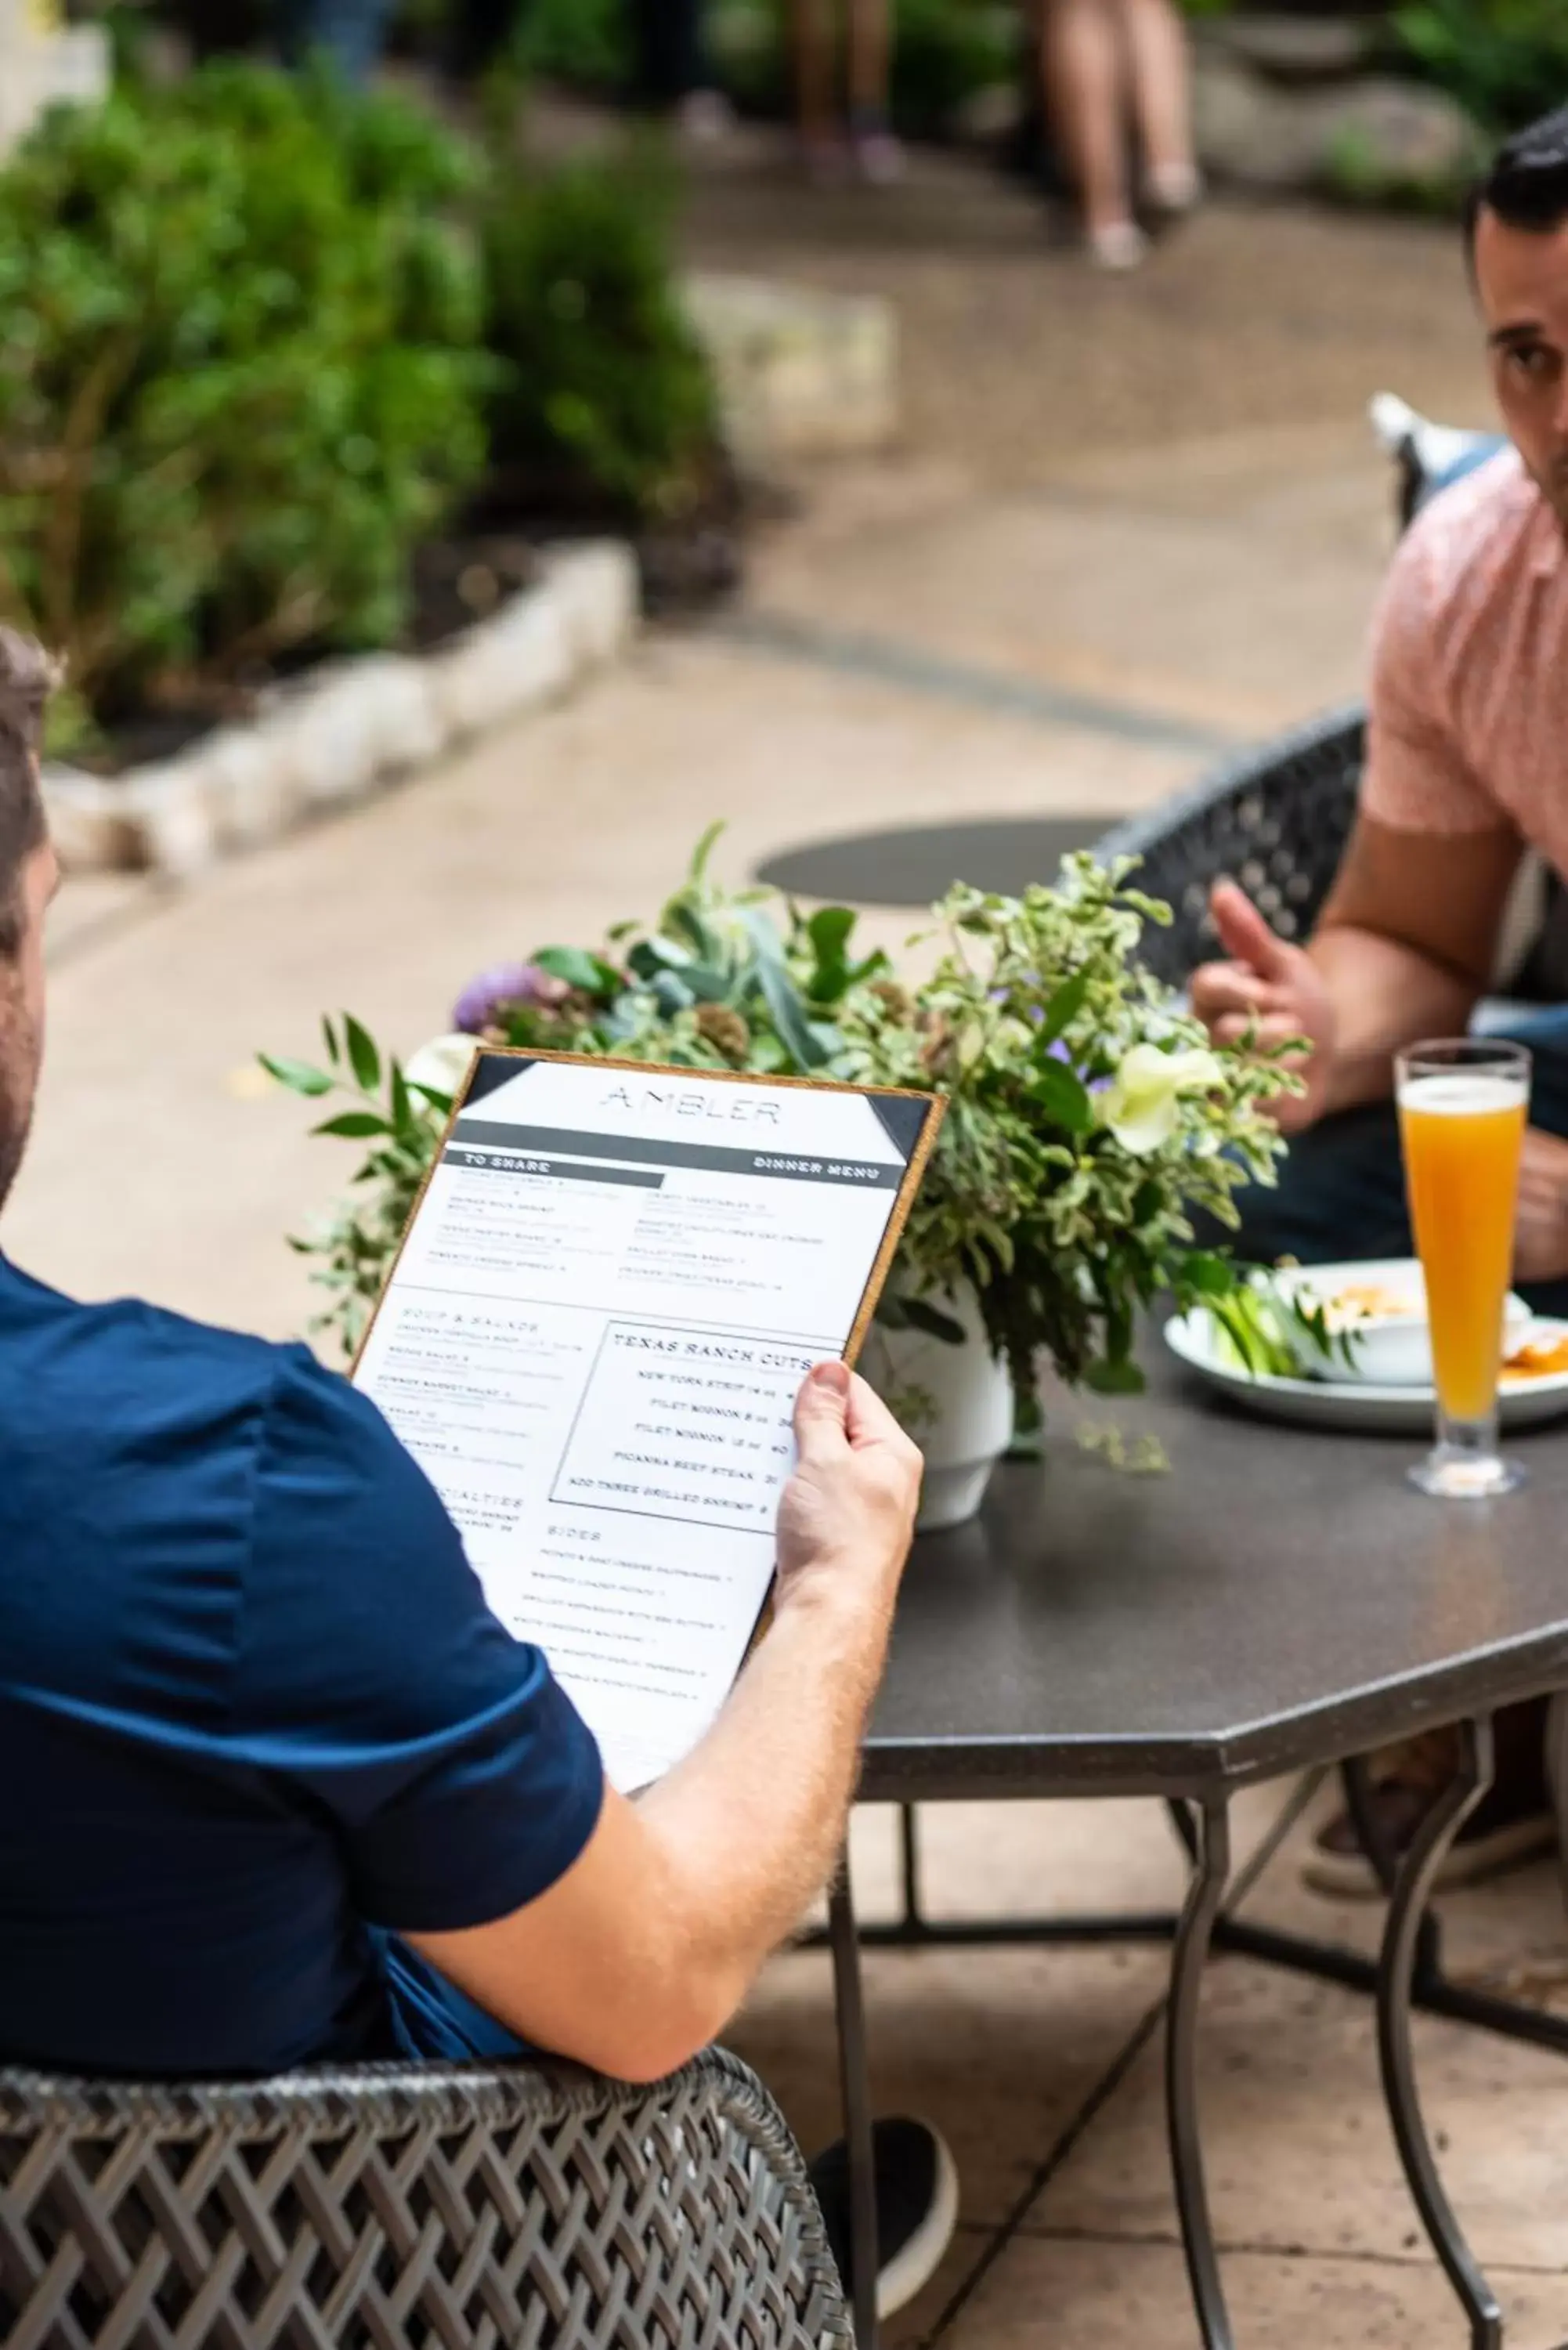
1276,821
459,2209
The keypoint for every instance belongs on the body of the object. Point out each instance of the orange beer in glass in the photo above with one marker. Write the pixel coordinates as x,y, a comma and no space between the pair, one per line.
1463,1109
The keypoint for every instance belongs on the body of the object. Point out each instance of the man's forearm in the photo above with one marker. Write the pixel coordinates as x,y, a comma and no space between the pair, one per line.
1386,996
750,1823
643,1948
642,1951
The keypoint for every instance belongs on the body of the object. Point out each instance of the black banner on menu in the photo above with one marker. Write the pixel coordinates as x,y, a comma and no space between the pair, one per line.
865,1174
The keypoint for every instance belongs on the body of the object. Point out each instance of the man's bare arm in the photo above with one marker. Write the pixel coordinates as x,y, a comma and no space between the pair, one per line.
642,1951
1407,944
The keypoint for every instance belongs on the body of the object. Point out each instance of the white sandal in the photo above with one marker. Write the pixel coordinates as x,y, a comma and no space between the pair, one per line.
1119,246
1173,189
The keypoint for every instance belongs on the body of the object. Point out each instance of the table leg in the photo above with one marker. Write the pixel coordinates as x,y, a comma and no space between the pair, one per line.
1395,1978
1557,1774
909,1863
1212,1870
1181,1818
855,2097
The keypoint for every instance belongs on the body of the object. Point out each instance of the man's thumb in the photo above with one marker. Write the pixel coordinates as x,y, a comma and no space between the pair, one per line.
1243,934
820,1409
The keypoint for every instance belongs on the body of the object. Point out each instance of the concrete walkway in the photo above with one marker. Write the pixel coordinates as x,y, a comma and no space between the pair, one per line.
1130,526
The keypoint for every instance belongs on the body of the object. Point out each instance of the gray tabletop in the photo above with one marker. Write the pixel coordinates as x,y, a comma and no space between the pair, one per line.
1279,1597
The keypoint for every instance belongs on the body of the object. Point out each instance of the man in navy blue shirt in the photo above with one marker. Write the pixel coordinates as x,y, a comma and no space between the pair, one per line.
281,1789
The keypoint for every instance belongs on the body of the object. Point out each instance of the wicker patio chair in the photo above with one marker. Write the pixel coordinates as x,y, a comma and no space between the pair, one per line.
395,2208
1276,820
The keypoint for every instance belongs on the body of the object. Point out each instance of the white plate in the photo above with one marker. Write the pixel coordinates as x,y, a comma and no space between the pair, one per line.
1193,1339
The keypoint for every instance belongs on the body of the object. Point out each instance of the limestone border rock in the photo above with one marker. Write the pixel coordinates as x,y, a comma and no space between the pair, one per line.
351,728
1363,136
801,373
43,60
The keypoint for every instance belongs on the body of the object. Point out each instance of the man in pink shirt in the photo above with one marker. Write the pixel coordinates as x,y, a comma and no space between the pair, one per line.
1467,768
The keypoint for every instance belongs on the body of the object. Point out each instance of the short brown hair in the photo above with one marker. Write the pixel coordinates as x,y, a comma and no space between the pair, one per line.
27,678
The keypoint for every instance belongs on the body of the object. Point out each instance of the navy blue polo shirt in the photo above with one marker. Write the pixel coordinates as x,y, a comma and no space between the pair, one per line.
252,1705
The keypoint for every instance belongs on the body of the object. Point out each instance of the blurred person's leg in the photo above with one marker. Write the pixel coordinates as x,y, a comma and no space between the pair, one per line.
812,33
669,44
479,34
673,72
350,33
1162,102
878,155
1031,150
1082,64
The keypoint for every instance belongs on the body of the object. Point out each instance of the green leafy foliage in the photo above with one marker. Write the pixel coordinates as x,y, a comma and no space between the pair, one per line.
239,374
259,336
602,388
588,42
944,52
1275,1330
1028,1008
356,1241
1506,61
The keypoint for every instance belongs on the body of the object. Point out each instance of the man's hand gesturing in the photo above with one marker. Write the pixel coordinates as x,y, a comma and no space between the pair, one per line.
848,1514
1272,989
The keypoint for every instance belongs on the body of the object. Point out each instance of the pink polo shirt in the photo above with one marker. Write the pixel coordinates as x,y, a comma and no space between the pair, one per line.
1470,686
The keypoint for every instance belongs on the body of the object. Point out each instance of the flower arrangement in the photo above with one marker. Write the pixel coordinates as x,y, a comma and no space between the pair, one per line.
1088,1118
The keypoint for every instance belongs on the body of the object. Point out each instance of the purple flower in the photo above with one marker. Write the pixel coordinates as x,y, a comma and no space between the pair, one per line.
484,999
1057,1051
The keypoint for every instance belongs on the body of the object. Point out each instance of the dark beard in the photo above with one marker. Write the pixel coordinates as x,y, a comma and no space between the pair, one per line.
19,1083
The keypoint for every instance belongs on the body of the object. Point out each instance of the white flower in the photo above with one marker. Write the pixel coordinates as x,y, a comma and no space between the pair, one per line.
1140,1104
441,1065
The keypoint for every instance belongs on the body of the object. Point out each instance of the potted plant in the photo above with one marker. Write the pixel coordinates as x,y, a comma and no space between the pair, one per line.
1088,1118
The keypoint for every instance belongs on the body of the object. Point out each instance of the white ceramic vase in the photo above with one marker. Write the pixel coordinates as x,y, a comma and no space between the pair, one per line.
956,1401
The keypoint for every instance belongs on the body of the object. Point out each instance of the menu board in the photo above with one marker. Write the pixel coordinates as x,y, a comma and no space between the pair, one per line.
613,1285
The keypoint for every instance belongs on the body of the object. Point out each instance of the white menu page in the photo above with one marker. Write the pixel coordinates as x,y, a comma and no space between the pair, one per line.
592,1343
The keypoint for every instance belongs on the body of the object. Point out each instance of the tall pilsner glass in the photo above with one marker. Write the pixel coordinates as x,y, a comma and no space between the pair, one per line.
1462,1107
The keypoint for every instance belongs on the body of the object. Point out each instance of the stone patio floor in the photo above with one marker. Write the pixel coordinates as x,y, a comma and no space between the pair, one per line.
1129,524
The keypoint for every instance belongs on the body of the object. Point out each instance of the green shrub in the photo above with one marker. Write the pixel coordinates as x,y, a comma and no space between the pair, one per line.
603,389
239,375
243,371
588,42
946,51
1506,61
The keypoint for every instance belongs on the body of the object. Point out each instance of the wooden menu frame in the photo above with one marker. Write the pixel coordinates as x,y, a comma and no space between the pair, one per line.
933,1109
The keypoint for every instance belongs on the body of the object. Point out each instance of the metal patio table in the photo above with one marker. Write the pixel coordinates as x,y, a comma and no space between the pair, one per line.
1280,1601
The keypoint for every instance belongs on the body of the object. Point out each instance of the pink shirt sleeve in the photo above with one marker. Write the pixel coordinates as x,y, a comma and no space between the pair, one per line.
1417,778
